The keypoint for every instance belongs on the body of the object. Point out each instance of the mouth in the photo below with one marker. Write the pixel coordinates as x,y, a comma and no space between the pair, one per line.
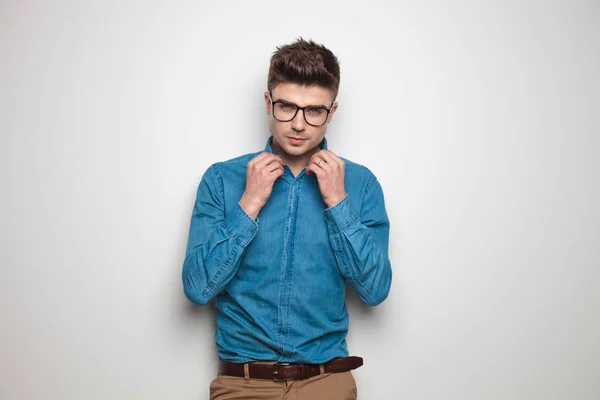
295,140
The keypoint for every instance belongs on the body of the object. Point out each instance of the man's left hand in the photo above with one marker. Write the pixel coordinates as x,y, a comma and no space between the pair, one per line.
329,170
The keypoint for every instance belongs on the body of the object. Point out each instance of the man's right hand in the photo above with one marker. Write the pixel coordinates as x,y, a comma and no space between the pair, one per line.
261,173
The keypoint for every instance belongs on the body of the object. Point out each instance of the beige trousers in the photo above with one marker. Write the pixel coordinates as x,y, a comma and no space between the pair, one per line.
327,386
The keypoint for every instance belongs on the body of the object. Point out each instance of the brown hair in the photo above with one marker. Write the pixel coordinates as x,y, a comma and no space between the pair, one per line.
304,62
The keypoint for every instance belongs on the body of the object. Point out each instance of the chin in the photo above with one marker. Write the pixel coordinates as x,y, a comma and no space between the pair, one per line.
294,151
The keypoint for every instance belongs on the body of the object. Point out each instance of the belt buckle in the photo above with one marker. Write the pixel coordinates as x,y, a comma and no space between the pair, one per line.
276,378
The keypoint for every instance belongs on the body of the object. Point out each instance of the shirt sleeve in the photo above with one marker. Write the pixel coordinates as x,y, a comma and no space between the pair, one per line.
216,241
360,243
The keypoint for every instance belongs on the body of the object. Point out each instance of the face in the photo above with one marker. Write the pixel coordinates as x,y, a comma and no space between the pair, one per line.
307,137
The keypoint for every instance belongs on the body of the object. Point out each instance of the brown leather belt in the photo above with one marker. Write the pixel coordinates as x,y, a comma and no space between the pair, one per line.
284,371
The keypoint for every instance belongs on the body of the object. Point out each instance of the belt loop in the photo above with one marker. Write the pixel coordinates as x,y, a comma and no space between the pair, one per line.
321,369
246,371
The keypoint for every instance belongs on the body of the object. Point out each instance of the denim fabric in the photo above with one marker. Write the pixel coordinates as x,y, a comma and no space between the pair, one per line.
279,280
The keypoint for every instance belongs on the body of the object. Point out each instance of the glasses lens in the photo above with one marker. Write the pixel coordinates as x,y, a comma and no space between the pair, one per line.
315,115
284,112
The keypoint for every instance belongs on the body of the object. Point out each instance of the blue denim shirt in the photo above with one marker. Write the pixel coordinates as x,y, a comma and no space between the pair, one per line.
280,280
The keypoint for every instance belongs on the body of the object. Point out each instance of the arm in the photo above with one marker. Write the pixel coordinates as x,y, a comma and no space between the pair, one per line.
360,243
216,241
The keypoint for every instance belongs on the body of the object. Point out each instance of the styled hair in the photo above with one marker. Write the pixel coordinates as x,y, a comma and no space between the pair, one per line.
306,63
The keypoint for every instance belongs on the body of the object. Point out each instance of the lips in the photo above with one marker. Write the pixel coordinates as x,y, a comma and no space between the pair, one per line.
294,140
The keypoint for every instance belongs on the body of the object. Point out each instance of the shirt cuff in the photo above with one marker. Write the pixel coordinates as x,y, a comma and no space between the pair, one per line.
340,216
241,226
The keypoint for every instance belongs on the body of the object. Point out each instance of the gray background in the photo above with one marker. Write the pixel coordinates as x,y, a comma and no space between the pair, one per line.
480,119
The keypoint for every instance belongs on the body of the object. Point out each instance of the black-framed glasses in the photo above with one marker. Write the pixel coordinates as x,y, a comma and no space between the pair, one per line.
284,111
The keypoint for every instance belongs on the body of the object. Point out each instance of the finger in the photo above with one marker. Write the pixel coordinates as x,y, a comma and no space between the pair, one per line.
335,158
268,159
317,159
276,160
273,166
316,169
328,158
323,164
316,156
277,172
258,158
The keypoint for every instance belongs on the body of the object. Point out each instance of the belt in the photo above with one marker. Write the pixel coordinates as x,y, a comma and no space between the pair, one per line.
288,371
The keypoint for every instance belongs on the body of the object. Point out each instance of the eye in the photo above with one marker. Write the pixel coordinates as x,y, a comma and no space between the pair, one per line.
316,110
285,106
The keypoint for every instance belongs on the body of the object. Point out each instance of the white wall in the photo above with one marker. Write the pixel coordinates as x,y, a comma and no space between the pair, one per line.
481,120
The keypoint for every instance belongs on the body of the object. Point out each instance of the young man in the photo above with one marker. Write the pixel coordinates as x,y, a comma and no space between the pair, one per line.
275,236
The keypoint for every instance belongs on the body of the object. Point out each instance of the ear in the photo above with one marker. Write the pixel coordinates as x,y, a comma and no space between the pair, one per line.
268,103
333,110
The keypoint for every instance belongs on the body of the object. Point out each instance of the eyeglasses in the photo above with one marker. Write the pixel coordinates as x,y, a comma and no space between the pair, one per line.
285,111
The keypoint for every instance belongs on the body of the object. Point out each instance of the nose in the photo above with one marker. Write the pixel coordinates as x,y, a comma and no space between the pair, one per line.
298,123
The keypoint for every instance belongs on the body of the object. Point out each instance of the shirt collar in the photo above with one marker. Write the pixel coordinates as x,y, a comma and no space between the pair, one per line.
269,148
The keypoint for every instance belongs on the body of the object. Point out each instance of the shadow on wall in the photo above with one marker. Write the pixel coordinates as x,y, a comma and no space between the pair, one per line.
365,319
200,326
202,316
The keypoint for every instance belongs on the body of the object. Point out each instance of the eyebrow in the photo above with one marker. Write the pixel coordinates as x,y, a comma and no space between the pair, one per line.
310,105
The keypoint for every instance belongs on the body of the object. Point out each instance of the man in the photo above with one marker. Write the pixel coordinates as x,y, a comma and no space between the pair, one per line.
275,235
